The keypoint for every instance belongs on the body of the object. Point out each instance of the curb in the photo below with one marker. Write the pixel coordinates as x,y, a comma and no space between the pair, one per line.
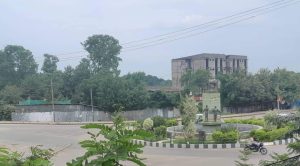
208,146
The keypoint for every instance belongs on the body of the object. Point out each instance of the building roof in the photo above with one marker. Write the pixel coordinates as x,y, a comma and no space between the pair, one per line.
211,55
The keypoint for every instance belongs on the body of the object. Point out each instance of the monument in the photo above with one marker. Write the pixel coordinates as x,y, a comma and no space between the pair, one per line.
212,105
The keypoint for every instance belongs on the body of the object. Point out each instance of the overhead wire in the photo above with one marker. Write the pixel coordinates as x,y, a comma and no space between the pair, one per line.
193,28
167,40
188,29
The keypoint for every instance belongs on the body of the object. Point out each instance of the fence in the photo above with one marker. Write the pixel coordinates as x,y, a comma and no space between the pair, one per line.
262,106
81,113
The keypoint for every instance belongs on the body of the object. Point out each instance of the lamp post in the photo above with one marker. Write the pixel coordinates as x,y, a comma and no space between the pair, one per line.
52,98
92,103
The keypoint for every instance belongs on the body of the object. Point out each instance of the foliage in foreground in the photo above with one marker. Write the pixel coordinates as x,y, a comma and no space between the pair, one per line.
116,147
188,115
243,158
276,157
38,157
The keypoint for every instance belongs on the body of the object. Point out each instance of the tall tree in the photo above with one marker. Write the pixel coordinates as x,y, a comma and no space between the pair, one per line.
10,94
50,63
7,69
103,52
24,62
195,82
188,110
69,83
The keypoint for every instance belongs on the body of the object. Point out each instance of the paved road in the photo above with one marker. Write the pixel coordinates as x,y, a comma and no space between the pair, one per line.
65,138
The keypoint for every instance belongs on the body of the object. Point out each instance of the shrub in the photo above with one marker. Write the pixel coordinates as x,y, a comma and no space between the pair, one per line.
253,121
158,121
148,124
160,132
5,111
171,122
38,157
270,135
225,137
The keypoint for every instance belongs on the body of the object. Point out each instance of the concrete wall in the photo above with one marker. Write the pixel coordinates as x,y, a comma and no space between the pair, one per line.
80,113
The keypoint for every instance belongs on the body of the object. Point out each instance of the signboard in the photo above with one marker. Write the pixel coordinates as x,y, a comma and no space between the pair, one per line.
211,100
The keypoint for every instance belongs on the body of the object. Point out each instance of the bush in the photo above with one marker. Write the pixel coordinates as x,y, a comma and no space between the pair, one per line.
171,122
270,135
253,121
225,137
160,132
148,124
5,111
38,157
158,121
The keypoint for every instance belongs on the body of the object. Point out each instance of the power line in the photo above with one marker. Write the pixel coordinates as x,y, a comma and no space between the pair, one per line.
186,32
188,29
275,6
169,39
207,23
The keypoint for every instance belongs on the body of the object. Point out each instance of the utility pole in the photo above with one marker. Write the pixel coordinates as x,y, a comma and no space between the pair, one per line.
52,96
92,103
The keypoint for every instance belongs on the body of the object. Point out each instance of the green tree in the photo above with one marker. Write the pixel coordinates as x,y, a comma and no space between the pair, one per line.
5,111
16,63
103,52
159,99
33,87
69,83
82,72
50,63
11,94
24,61
286,84
148,80
7,69
195,82
111,90
188,115
116,147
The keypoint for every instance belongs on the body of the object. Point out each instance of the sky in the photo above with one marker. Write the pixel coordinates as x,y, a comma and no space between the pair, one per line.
59,26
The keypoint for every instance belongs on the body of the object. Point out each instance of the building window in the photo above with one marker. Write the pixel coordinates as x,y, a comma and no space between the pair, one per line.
221,65
216,66
206,64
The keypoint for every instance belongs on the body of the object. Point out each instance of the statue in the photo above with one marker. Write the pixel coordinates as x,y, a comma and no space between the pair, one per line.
215,112
206,113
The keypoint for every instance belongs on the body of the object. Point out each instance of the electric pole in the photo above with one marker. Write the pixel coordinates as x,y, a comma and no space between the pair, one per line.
92,103
52,96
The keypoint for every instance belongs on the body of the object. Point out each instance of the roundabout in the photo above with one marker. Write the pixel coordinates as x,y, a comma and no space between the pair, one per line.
65,138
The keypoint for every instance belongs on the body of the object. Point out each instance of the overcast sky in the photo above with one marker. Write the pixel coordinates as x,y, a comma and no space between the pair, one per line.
58,27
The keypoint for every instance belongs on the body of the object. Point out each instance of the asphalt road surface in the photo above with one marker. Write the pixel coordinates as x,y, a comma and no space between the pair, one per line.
65,138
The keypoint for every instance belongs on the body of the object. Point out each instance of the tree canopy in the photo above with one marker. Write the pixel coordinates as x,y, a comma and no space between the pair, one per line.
103,52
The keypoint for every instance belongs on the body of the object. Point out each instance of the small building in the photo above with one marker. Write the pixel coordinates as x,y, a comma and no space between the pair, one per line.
214,63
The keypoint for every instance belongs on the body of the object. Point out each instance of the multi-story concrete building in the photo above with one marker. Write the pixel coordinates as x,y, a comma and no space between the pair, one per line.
214,63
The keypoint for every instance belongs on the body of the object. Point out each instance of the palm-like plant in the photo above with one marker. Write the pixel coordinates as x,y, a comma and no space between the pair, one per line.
116,147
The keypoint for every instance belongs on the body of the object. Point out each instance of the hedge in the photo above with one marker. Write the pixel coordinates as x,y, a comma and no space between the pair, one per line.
259,122
270,135
225,137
